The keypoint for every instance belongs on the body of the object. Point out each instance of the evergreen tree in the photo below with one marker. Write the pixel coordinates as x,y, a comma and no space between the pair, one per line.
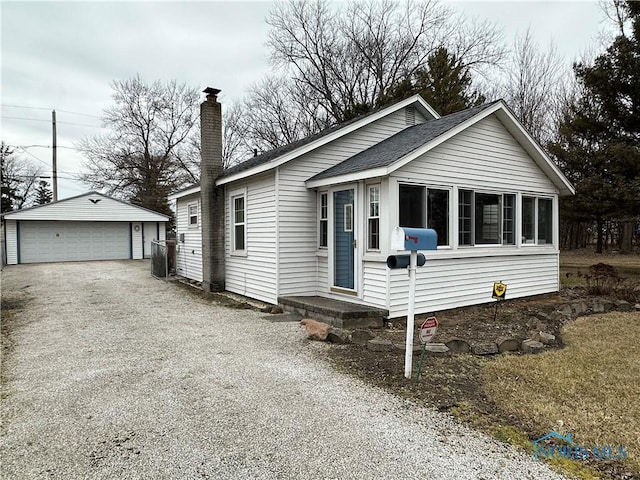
445,83
43,193
599,136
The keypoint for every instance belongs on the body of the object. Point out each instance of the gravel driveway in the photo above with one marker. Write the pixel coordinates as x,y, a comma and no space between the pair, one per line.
113,374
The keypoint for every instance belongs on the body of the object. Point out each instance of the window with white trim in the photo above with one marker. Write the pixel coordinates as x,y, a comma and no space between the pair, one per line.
438,214
192,213
465,216
486,218
508,219
373,218
323,215
239,222
422,207
537,221
411,203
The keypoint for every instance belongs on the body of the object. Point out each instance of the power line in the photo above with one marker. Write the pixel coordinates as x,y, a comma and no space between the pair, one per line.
43,146
24,106
81,124
49,121
78,113
45,108
28,119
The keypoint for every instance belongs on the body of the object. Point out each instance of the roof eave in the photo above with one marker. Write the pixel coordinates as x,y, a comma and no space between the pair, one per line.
522,136
348,178
184,193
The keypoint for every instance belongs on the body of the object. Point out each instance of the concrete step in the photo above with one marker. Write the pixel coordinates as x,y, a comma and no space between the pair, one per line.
335,312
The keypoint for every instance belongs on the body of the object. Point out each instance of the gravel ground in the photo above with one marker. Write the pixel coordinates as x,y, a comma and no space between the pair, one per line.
113,374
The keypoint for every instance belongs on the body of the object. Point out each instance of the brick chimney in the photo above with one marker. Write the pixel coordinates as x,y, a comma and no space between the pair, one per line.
212,197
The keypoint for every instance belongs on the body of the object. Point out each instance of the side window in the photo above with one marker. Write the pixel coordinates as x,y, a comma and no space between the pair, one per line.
537,221
192,213
323,215
239,223
545,221
373,218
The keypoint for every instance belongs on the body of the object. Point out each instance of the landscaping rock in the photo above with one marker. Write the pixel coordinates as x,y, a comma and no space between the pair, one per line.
276,310
457,345
544,338
532,322
436,348
338,335
579,308
361,337
542,316
531,346
485,349
565,310
508,344
608,305
597,306
380,345
558,316
623,306
637,307
316,330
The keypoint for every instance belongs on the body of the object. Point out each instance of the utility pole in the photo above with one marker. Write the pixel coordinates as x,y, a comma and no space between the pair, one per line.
55,158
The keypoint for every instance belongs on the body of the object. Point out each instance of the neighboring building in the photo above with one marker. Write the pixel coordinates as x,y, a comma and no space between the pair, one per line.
314,218
91,226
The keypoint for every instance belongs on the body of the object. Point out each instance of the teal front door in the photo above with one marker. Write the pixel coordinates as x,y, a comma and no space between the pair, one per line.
344,239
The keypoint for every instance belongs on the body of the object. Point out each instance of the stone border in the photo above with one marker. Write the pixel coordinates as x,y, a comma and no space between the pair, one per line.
537,341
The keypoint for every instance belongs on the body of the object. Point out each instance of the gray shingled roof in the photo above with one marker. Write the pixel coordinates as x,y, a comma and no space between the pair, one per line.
402,143
277,152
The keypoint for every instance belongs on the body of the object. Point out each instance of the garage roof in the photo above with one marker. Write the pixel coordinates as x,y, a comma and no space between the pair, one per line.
92,206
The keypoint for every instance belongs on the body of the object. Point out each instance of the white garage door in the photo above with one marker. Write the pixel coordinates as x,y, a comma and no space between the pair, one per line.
69,241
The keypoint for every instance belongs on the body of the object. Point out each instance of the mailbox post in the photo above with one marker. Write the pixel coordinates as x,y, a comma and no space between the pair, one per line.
411,239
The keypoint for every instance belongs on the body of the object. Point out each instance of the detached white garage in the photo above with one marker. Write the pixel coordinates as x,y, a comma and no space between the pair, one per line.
92,226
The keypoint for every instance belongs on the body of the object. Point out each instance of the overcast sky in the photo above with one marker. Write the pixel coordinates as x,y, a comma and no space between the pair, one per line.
63,56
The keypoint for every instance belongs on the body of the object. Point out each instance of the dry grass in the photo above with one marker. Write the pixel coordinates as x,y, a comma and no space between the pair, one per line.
574,261
590,389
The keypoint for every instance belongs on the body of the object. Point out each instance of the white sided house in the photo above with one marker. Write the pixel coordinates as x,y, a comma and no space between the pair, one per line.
314,218
91,226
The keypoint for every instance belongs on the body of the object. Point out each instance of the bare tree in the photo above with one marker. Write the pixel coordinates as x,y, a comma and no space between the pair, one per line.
147,152
19,178
348,58
532,86
616,14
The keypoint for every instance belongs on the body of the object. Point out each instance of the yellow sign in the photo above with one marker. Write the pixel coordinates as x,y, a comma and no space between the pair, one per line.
499,290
